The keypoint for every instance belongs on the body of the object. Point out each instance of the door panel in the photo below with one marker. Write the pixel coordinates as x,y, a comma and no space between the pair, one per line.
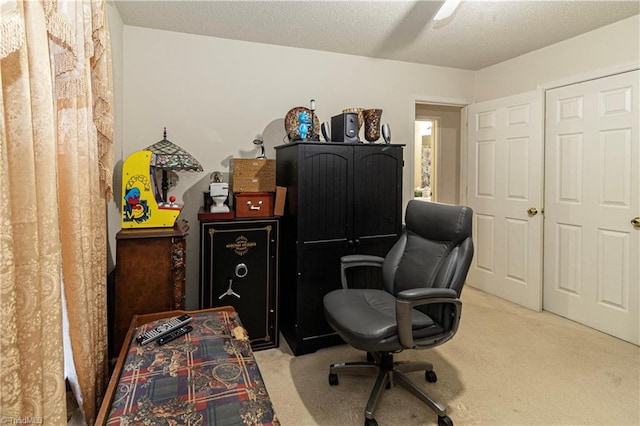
592,194
377,192
325,195
315,279
504,181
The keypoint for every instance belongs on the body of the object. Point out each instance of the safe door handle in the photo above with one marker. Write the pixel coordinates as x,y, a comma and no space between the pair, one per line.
229,291
252,207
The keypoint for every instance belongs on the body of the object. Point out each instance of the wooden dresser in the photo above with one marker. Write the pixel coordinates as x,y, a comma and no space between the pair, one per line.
150,275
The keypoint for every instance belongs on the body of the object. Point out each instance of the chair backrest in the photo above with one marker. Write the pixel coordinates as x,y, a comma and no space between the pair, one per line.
434,250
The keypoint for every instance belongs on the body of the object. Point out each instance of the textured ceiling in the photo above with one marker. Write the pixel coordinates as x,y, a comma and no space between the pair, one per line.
479,34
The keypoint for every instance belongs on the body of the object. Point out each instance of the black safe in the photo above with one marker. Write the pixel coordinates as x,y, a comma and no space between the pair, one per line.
239,268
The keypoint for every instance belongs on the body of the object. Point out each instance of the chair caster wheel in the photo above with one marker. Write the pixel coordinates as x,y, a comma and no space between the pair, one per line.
431,377
333,379
370,422
445,421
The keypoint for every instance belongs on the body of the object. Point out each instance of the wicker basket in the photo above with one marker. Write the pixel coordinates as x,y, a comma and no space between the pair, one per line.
252,175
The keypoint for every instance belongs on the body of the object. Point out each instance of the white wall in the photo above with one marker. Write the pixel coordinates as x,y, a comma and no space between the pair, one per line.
215,96
601,49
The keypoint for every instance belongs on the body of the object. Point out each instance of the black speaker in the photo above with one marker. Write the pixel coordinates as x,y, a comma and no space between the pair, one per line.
386,133
344,127
324,128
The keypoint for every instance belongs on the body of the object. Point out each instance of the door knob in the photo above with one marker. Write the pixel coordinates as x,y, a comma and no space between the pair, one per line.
532,211
636,221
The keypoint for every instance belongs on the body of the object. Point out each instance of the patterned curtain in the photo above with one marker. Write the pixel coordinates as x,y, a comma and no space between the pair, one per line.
56,131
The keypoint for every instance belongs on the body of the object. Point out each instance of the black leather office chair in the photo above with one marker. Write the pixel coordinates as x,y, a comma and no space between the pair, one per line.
419,307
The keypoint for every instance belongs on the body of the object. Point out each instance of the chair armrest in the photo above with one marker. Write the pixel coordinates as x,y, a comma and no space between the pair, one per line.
354,260
427,294
408,299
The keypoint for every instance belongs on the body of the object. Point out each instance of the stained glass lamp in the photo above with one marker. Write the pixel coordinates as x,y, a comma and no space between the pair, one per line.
170,157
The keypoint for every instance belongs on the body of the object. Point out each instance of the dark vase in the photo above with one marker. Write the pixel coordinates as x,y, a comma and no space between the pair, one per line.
372,124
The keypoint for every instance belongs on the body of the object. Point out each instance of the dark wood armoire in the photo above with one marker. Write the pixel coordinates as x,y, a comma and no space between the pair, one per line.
342,198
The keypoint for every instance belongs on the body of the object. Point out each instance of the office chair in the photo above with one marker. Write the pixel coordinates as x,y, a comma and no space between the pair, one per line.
418,308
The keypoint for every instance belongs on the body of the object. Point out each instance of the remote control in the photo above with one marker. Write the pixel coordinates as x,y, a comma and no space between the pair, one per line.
174,334
163,329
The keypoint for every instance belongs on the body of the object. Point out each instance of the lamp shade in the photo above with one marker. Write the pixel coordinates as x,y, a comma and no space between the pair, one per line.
170,156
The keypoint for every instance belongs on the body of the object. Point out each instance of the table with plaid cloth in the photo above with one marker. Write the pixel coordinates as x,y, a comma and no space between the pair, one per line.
206,377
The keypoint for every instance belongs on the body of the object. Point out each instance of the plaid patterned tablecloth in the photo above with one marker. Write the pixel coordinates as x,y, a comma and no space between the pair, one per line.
207,377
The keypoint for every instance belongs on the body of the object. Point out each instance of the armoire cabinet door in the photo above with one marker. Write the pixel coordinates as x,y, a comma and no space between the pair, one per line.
324,210
377,191
319,274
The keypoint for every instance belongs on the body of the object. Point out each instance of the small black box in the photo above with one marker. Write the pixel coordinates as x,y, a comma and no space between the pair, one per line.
344,127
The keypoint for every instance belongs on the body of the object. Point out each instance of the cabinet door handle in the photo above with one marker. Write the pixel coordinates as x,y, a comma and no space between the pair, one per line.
252,207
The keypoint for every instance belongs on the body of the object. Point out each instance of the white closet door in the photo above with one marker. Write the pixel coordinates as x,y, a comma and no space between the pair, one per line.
592,194
504,182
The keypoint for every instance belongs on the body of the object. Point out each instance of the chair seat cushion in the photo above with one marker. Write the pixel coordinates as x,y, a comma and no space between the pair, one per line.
366,319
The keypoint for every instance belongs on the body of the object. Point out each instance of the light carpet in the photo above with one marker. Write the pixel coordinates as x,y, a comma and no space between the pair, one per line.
507,365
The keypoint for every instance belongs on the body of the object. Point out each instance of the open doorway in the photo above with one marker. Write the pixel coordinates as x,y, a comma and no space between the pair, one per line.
425,158
437,153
